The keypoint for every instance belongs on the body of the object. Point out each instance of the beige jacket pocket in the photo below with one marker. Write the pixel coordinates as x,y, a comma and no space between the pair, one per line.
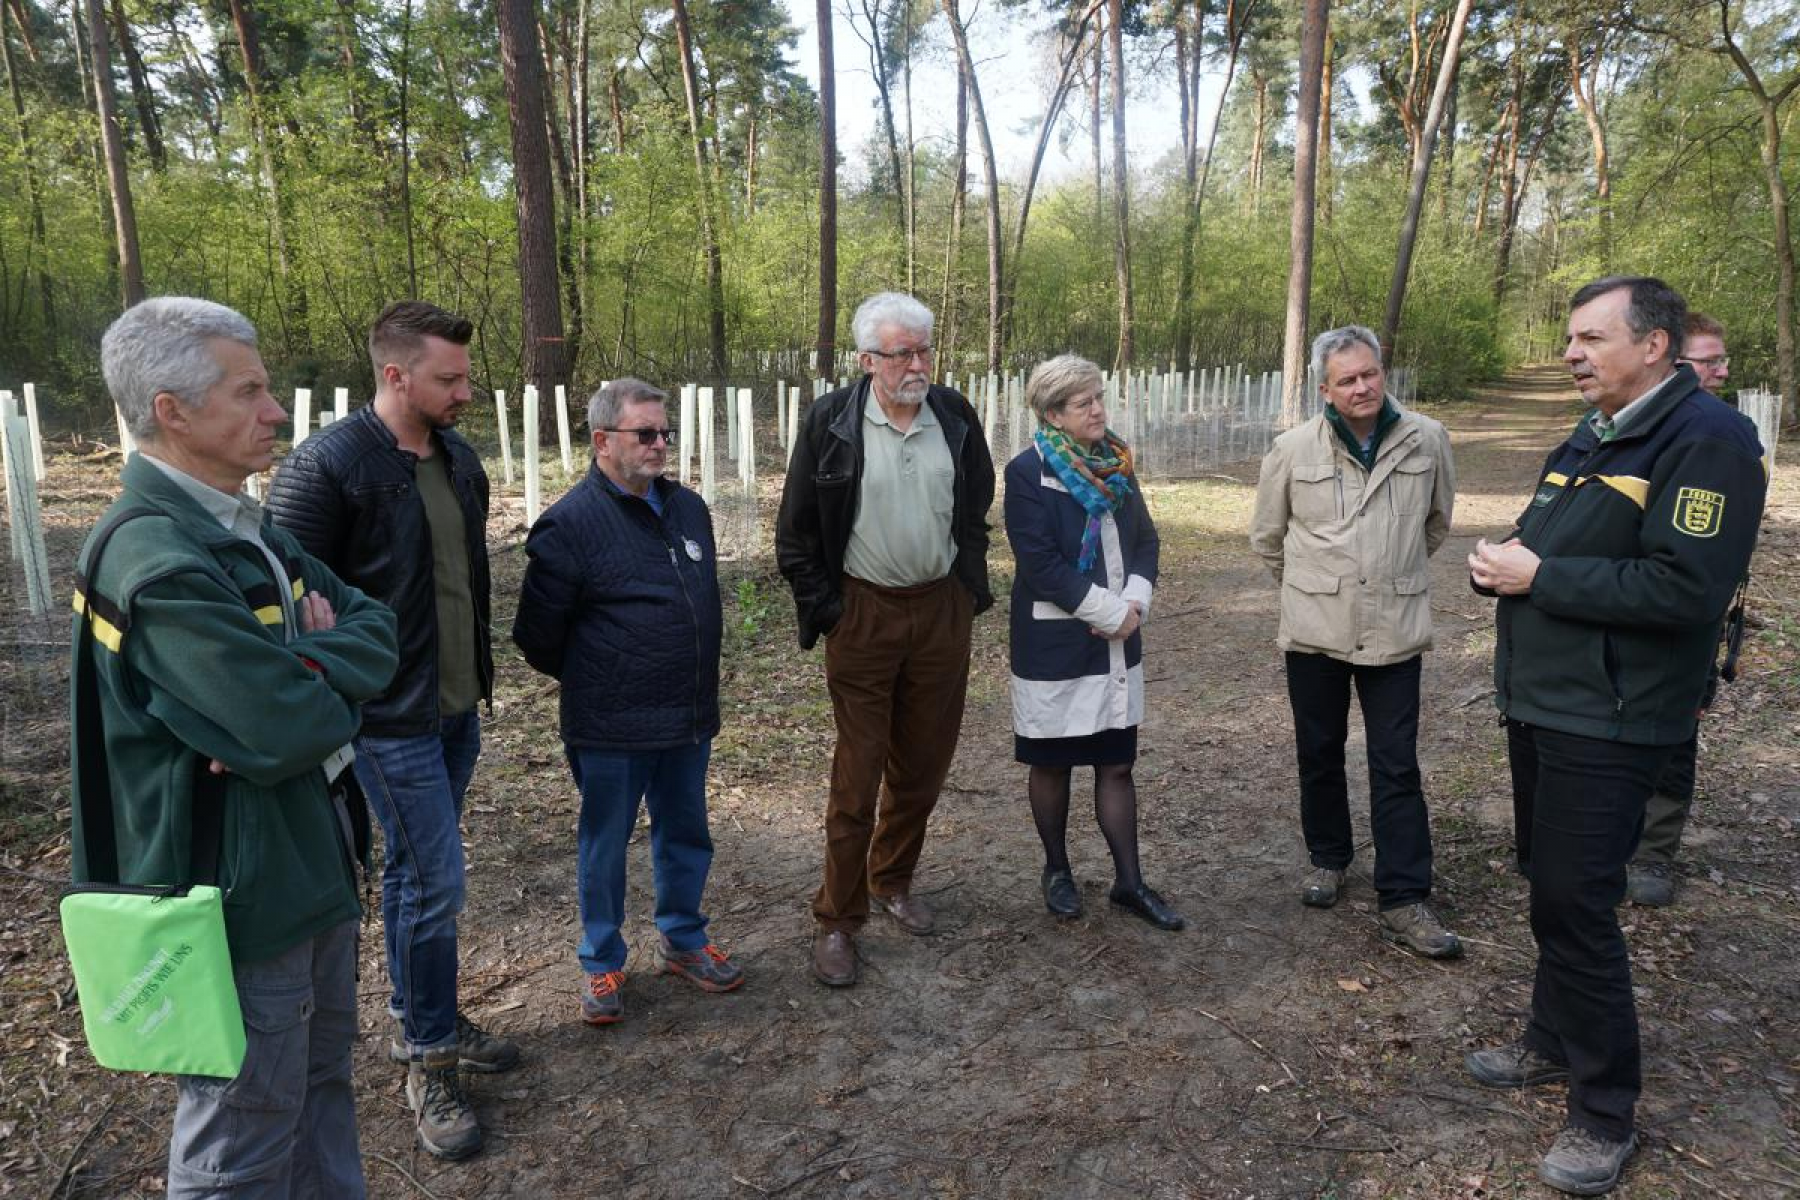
1315,612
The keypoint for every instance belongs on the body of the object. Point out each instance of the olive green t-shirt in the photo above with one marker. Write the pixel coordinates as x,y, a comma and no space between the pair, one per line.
459,682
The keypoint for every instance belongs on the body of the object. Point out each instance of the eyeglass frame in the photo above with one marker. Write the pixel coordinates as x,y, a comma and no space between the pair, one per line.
1716,361
665,433
921,353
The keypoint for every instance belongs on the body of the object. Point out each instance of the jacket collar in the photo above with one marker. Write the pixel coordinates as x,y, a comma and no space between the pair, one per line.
847,425
143,479
665,487
1655,409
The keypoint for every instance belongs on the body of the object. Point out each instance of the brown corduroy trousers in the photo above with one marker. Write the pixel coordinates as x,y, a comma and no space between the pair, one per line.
897,667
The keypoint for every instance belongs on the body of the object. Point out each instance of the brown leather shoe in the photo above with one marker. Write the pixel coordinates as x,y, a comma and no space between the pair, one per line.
913,913
834,958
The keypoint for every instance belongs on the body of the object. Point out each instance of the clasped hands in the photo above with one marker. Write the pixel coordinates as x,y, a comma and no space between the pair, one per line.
1507,568
1129,626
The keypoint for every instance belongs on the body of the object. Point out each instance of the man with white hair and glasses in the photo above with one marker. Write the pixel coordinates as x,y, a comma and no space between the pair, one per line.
883,536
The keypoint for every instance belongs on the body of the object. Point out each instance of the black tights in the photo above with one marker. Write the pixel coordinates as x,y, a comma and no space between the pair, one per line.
1115,808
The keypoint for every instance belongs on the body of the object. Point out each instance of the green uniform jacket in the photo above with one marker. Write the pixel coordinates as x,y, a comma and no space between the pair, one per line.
1644,539
193,666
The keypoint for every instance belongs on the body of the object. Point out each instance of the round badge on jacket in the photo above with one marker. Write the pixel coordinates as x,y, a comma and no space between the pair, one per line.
693,548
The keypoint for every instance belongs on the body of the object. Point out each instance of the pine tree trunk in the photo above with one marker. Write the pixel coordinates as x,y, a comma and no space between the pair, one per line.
826,349
1421,176
703,178
1115,34
141,95
124,212
522,64
1314,20
991,173
33,187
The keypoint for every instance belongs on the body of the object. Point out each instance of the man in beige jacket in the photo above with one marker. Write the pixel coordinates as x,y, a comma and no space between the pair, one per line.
1349,507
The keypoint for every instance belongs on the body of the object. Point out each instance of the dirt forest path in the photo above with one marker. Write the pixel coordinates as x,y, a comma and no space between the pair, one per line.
1269,1050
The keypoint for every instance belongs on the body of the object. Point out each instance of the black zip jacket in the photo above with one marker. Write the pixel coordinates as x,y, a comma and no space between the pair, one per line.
824,486
622,606
1643,540
350,496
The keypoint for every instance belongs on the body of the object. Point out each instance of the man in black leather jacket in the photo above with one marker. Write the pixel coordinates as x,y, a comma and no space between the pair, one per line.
396,503
883,536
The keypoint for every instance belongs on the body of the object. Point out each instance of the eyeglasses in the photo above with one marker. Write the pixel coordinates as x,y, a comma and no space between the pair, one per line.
1086,404
646,436
921,353
1723,360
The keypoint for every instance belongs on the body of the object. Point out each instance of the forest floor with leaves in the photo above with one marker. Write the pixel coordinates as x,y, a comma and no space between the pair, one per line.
1270,1050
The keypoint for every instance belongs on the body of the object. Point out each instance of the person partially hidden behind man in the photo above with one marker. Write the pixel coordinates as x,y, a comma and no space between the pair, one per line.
1650,880
225,647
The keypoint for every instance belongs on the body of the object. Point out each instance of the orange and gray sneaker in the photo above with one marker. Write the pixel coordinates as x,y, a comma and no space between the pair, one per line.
604,1002
706,968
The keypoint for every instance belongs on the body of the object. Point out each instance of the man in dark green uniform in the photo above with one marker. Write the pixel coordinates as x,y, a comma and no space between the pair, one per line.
226,648
1612,588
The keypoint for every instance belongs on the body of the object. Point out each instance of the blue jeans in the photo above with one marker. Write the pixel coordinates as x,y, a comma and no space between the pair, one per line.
286,1126
415,786
673,783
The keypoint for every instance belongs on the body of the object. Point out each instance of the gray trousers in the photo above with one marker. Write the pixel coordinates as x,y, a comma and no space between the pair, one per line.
285,1128
1665,817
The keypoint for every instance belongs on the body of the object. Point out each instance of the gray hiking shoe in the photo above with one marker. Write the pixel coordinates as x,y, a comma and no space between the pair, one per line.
1650,884
1417,928
446,1124
476,1048
1583,1163
1320,888
1514,1066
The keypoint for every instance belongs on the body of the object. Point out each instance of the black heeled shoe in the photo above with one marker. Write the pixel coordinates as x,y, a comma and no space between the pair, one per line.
1145,903
1060,894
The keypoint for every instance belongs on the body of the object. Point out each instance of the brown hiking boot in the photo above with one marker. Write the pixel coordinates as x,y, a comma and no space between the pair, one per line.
1417,928
446,1124
1321,886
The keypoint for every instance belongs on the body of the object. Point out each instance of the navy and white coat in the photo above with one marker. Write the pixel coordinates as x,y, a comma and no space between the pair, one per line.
1065,681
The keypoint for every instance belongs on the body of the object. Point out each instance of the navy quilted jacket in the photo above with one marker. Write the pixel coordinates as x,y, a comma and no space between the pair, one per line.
622,606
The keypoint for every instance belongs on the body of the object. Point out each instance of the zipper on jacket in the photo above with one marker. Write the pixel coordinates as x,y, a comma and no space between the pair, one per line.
1610,660
694,615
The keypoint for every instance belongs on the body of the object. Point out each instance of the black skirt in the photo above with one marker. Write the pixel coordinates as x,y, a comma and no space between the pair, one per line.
1108,748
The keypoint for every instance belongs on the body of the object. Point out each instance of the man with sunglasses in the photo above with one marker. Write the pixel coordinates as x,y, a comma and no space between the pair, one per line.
621,604
883,536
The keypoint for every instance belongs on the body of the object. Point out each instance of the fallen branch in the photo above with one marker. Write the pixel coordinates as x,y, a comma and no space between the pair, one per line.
405,1174
68,1171
1263,1050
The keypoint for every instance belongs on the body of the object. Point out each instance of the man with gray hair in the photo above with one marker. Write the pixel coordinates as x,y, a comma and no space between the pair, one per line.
883,536
227,669
1349,507
621,605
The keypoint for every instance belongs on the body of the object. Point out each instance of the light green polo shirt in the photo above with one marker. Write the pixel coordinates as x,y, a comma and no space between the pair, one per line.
908,495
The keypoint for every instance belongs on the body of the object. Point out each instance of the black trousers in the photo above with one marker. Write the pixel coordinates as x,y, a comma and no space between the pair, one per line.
1319,691
1582,801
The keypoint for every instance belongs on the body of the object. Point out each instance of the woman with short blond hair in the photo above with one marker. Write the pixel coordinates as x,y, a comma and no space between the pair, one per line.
1086,550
